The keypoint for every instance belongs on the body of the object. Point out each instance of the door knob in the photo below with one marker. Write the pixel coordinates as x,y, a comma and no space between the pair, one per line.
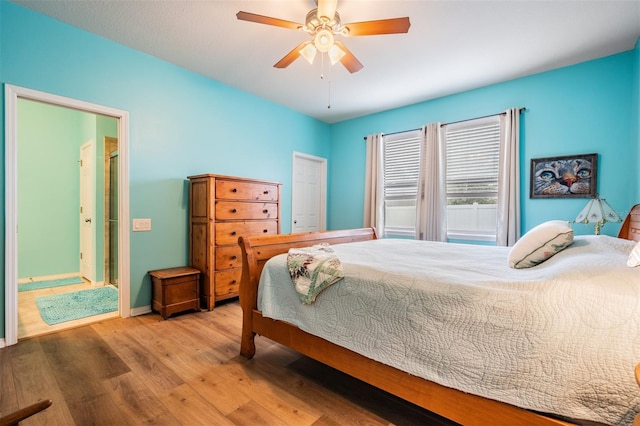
88,220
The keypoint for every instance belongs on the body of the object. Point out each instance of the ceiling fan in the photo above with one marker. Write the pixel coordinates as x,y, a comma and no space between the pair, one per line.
323,24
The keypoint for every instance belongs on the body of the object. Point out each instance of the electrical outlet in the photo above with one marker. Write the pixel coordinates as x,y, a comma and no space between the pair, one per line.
141,225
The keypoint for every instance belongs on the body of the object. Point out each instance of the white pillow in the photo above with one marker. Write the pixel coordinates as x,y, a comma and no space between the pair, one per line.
634,257
540,243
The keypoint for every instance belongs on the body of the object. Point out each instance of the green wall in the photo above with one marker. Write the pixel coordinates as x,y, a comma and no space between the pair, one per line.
49,141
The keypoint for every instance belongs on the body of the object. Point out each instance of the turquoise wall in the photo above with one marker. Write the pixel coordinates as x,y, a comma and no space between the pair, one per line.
181,124
184,124
579,109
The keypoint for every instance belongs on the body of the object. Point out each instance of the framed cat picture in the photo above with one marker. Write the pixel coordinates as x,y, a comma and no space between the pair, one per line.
571,176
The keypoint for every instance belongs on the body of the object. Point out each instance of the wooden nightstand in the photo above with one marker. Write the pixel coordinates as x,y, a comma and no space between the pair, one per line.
175,290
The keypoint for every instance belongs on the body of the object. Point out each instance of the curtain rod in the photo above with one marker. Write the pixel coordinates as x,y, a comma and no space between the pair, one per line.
521,110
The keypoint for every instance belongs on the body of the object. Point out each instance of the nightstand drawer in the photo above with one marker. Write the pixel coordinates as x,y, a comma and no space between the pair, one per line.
180,291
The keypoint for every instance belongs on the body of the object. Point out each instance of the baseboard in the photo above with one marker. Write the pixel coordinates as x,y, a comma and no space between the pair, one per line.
141,310
2,343
48,277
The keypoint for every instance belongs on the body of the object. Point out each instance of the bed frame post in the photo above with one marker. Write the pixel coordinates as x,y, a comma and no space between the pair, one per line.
248,300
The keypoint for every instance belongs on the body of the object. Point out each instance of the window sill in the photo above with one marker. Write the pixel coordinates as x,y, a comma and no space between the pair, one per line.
471,236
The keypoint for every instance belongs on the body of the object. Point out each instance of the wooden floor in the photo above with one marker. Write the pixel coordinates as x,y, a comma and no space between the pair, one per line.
30,323
185,371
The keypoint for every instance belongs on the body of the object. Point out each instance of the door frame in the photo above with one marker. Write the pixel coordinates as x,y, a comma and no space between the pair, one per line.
12,94
88,192
322,203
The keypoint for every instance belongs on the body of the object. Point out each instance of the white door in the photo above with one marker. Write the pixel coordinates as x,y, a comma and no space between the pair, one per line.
87,208
308,199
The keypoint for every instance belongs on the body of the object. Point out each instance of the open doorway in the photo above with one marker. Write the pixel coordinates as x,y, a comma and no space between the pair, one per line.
36,182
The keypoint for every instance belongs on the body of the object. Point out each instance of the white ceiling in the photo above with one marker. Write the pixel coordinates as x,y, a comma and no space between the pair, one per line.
452,45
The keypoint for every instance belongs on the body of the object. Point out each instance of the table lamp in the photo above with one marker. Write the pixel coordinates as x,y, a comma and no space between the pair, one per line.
598,212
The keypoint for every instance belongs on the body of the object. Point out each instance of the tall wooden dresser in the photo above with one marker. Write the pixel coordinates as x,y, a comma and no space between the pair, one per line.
222,208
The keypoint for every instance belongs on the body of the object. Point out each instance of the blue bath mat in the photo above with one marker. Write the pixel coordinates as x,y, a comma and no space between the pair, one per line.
36,285
78,304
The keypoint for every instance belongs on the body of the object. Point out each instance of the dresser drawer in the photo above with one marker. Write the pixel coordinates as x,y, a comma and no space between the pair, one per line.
228,283
228,232
229,210
228,257
235,190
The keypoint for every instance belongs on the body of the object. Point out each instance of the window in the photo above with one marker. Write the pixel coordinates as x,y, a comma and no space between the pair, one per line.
401,171
472,166
473,154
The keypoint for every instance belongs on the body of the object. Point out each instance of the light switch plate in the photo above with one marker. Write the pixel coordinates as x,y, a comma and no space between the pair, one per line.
141,225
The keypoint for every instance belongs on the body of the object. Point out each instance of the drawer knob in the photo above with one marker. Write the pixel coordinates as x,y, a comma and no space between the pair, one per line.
266,192
265,211
265,230
233,281
234,211
234,190
234,257
233,232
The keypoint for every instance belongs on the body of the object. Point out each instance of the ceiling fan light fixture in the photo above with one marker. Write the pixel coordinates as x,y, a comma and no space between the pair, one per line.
308,52
323,40
323,24
335,54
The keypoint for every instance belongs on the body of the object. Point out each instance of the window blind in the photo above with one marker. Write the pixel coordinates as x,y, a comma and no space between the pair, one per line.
402,166
473,153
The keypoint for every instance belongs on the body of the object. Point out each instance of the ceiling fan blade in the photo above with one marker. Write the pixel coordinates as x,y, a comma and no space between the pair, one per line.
267,20
383,26
290,57
327,8
349,60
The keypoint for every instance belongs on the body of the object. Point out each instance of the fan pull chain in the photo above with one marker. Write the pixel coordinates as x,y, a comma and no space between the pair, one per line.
328,81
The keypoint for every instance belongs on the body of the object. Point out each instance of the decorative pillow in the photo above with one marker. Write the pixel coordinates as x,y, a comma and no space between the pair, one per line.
540,243
634,257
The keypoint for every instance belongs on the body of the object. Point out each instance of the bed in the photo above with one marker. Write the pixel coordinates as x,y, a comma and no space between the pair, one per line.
479,392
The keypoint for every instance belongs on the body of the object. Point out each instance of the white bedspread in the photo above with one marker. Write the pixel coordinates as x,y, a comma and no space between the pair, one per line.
562,337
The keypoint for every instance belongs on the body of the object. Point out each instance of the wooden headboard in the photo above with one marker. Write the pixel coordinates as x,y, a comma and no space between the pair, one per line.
630,229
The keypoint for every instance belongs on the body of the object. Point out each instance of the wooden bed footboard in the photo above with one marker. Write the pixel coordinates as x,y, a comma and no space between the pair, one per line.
455,405
257,250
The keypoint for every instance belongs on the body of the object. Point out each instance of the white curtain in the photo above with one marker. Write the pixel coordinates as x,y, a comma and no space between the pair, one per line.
431,206
374,185
508,227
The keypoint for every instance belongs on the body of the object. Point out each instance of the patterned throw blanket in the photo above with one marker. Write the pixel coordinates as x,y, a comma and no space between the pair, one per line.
312,269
